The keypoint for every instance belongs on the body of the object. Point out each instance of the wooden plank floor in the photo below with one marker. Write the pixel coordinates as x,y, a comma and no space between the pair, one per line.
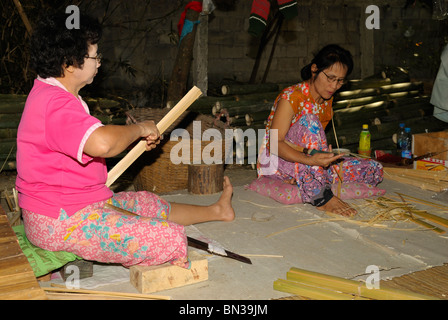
17,280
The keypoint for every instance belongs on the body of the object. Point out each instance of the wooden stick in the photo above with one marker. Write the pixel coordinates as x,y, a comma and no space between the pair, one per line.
22,14
107,293
163,124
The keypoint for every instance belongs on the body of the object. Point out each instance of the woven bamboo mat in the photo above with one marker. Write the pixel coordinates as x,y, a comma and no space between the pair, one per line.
431,282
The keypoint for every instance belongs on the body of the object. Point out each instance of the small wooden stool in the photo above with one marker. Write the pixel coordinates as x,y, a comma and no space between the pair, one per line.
205,178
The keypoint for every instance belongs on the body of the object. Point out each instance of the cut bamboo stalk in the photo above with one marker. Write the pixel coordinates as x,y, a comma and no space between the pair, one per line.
352,286
163,124
313,292
108,293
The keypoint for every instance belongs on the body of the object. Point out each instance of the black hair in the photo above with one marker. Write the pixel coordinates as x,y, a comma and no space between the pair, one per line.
54,46
326,57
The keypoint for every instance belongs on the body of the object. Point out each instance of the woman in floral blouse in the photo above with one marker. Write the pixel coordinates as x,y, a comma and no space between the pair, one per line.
300,115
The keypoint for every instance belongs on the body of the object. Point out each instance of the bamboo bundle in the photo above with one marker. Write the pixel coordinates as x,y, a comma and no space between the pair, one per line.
366,83
257,117
426,180
316,285
241,105
353,94
400,87
366,100
383,111
350,135
404,211
232,89
241,109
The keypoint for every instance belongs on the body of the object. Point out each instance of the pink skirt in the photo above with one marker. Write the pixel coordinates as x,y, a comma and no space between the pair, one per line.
105,235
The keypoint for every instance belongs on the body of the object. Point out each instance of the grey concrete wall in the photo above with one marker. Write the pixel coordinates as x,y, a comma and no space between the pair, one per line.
140,33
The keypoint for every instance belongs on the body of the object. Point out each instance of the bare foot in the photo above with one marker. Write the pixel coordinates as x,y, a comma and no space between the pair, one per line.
337,206
223,207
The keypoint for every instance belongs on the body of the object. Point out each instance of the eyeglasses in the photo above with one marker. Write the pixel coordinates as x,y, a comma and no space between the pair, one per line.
98,58
333,79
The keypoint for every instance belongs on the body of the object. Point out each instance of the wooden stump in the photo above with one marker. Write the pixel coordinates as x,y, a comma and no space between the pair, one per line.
205,178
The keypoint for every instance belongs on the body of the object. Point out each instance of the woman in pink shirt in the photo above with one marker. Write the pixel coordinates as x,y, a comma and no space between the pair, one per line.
61,170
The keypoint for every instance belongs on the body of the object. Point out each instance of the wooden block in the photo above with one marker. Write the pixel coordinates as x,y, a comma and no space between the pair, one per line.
168,276
85,269
205,178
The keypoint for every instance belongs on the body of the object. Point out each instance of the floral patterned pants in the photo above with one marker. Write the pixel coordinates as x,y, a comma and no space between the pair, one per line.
101,234
314,181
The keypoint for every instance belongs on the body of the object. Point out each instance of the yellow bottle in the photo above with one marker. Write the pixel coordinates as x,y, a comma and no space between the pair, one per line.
364,141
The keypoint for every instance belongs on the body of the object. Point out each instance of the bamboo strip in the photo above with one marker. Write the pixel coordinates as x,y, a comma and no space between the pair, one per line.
352,286
432,175
421,201
436,187
107,293
425,224
428,216
432,217
163,124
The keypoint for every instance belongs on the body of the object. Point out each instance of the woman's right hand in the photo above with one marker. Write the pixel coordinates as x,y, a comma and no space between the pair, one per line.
324,159
151,133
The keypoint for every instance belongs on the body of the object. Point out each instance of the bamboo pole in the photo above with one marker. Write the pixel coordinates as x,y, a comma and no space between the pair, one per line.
352,286
312,292
163,124
22,14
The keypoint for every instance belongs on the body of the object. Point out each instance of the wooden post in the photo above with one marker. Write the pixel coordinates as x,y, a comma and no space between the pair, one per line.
205,178
367,44
181,70
200,61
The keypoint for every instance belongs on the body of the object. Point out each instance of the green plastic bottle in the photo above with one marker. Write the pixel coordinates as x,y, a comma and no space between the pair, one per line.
364,141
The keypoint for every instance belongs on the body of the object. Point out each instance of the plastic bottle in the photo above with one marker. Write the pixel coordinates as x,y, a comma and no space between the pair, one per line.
406,147
364,141
400,136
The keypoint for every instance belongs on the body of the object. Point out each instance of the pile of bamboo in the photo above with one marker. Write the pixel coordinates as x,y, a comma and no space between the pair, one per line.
400,208
378,101
319,286
436,181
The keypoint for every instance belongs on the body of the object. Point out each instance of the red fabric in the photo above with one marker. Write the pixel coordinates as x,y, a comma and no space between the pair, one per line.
281,2
193,5
261,8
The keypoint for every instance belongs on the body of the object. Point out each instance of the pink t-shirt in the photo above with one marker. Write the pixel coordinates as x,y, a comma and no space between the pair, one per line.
53,173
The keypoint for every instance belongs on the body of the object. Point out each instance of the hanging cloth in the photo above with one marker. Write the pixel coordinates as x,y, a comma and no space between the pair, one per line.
193,5
260,12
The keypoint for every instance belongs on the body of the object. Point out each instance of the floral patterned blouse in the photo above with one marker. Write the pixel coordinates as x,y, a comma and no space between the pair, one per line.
302,102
